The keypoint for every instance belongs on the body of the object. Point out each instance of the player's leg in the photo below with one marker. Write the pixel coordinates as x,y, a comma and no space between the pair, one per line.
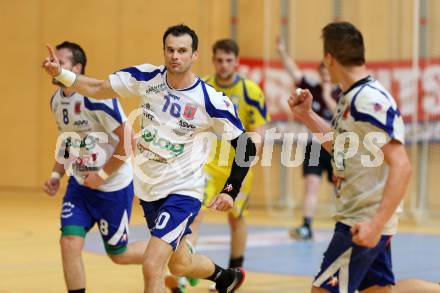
75,222
169,220
112,211
312,172
195,226
154,264
239,229
73,266
178,284
415,286
133,255
347,267
183,263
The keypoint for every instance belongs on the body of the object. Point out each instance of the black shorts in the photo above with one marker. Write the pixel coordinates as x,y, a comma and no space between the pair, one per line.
316,165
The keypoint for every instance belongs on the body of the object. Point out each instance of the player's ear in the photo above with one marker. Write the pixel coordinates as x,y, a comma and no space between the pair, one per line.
195,55
327,60
77,68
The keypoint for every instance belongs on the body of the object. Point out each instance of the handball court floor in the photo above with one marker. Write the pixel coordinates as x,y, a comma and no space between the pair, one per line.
30,260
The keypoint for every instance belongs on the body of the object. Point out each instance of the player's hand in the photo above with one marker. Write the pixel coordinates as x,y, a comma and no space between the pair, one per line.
51,64
92,180
51,186
366,234
301,104
222,202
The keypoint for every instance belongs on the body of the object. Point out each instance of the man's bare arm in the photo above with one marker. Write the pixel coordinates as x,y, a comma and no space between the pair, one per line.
87,86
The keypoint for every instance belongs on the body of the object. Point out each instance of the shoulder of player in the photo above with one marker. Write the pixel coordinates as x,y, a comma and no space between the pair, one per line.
253,89
143,72
91,104
54,100
110,107
215,98
372,97
209,79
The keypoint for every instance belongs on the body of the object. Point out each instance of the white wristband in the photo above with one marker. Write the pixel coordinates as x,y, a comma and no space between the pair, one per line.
66,77
103,174
55,175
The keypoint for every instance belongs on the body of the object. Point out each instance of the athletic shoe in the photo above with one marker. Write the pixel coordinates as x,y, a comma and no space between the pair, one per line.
301,233
175,284
239,277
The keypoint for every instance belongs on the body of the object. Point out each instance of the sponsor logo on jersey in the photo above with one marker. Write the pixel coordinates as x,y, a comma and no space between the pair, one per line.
152,138
155,88
377,107
185,128
77,107
81,123
148,154
185,124
89,142
146,111
190,111
345,114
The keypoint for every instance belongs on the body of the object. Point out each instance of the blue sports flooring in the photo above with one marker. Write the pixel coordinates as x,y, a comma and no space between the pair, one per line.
271,250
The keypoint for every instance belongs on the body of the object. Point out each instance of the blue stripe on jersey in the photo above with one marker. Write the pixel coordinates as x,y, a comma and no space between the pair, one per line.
358,116
256,104
217,113
103,107
141,75
385,94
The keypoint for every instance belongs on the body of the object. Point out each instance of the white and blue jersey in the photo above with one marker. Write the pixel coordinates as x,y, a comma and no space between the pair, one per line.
366,110
173,144
87,140
369,114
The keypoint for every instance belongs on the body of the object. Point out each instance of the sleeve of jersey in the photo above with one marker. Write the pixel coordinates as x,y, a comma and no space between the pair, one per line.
257,114
225,121
127,82
375,113
108,113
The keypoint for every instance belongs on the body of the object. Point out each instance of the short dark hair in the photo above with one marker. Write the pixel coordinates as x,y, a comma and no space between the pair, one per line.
179,30
78,54
227,45
344,42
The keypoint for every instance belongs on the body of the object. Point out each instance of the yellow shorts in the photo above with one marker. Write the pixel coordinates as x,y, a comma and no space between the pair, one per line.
214,184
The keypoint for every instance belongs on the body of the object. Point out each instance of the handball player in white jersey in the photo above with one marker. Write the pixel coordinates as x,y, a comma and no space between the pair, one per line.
178,110
100,188
370,164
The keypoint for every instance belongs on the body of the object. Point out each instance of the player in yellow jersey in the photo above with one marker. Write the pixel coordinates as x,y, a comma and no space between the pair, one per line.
250,105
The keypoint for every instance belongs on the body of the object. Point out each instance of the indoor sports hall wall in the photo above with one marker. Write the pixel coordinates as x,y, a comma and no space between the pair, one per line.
117,33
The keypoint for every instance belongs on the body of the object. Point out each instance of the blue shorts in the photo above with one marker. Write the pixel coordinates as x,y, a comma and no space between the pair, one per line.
169,218
83,207
348,267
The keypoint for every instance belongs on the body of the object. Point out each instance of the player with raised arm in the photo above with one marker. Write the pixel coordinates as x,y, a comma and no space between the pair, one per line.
371,178
178,110
100,188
